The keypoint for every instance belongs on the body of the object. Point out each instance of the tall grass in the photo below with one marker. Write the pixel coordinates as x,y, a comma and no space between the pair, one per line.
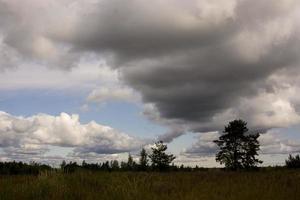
210,185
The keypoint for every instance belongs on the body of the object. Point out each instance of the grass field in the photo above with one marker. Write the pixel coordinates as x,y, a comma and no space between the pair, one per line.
210,185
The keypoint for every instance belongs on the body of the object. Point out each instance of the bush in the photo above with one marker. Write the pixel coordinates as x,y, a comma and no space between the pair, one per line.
293,162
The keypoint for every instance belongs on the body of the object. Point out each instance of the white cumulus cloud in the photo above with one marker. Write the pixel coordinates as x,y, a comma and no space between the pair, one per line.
36,134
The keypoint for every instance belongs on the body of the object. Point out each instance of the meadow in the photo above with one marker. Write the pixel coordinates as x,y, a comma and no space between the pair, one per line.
207,185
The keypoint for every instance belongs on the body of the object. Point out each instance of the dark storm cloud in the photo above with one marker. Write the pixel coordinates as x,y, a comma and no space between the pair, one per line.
133,30
199,63
194,61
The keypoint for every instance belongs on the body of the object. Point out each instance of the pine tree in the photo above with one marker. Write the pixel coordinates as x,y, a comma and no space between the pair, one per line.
237,150
114,164
131,165
143,162
160,160
63,164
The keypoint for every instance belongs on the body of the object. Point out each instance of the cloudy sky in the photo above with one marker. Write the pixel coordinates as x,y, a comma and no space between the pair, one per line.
96,79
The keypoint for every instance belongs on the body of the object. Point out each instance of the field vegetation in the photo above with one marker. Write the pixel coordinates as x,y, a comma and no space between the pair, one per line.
211,184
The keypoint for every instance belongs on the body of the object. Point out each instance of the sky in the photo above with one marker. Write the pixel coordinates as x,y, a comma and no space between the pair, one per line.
95,80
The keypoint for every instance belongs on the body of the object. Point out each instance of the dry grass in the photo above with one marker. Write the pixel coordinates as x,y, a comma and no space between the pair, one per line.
211,185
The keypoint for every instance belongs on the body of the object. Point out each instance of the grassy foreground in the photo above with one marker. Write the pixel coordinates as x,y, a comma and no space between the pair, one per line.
210,185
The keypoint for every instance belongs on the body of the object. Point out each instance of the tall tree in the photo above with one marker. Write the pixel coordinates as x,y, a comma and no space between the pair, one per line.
114,164
237,150
131,164
159,158
143,162
63,164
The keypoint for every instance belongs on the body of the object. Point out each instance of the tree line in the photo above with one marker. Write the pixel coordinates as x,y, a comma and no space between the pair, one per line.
22,168
159,159
238,150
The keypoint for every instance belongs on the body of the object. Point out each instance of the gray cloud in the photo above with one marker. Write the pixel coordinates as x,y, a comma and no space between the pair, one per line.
25,29
271,142
199,63
204,145
133,30
102,95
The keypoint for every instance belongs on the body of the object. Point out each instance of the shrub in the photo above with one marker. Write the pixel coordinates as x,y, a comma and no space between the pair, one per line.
293,162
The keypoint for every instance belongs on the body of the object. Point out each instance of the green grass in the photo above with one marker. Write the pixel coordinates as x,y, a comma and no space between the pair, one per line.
210,185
